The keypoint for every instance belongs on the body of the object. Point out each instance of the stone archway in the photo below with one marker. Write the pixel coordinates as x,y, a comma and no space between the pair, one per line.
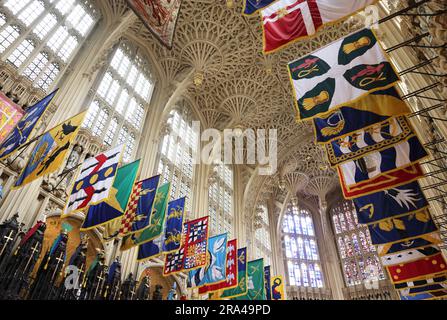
157,278
54,227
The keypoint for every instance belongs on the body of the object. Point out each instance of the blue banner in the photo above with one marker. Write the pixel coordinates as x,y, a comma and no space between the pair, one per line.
377,163
144,203
362,142
174,225
420,296
22,131
215,271
374,108
429,288
403,228
267,282
404,245
252,6
150,249
390,203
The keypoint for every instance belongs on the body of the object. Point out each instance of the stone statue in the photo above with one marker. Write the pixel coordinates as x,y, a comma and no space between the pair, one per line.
72,162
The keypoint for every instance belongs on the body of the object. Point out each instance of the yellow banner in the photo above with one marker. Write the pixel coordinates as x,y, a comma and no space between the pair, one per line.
50,151
278,288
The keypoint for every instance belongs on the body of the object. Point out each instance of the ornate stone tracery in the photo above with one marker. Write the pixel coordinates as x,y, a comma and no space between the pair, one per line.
216,65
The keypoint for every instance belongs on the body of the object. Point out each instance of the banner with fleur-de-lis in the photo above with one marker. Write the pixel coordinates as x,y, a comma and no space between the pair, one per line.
255,281
342,72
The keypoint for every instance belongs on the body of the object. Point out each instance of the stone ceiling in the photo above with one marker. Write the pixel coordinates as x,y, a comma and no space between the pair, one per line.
217,63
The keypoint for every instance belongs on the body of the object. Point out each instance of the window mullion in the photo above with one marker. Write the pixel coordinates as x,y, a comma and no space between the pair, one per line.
9,22
26,30
36,21
42,72
21,10
37,49
107,123
14,45
51,32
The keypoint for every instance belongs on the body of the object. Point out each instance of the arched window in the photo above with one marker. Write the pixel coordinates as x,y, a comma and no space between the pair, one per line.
40,37
358,255
117,111
301,250
220,200
176,154
263,247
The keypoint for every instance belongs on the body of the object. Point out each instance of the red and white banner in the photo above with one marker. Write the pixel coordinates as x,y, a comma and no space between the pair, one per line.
409,255
382,182
426,267
286,21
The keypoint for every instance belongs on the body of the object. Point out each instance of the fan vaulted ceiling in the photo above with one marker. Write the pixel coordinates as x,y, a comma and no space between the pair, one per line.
217,64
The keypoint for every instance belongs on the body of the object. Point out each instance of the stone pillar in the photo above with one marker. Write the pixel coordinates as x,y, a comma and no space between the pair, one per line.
277,259
333,272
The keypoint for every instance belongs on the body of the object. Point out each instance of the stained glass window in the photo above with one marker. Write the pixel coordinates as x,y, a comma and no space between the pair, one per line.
117,111
179,140
358,256
58,35
302,258
220,199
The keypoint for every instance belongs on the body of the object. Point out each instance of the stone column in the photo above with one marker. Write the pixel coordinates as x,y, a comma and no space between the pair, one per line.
320,186
333,270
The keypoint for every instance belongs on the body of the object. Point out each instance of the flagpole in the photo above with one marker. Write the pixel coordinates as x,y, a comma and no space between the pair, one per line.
30,142
9,165
65,174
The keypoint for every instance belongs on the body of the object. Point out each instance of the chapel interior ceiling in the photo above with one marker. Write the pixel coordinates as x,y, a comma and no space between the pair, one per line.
217,63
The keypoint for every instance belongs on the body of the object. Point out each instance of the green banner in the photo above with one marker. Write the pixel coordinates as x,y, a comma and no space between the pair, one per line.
255,284
158,216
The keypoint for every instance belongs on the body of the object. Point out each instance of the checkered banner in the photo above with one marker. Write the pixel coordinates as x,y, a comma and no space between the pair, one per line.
129,217
192,254
139,209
